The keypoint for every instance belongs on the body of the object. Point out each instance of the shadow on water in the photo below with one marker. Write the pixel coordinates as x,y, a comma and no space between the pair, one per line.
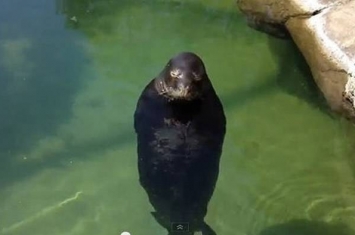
306,227
39,75
63,158
295,76
243,96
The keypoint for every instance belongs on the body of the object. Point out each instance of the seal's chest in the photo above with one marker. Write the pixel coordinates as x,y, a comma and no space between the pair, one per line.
175,139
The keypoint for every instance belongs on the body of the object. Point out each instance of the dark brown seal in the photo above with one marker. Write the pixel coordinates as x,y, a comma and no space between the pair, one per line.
180,126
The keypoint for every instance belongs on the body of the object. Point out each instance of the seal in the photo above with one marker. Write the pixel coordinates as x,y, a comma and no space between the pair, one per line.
180,125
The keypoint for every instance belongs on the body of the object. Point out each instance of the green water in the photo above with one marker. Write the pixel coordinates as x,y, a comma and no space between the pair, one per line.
70,75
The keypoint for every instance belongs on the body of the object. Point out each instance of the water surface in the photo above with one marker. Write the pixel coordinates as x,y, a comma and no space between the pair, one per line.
70,76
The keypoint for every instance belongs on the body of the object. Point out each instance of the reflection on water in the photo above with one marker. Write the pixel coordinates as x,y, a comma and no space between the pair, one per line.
70,75
180,125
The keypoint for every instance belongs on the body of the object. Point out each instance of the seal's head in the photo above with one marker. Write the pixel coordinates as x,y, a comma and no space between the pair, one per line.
183,78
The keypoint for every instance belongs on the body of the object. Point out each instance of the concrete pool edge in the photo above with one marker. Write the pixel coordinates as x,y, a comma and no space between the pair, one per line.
322,32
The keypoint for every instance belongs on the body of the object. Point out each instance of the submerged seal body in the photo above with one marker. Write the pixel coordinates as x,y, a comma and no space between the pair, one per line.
180,126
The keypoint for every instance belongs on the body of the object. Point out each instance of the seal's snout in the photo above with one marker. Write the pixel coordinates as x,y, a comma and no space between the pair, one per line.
184,81
182,91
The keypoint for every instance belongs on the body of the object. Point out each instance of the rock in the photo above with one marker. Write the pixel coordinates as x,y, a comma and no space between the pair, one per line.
274,29
271,15
279,11
328,45
267,17
323,31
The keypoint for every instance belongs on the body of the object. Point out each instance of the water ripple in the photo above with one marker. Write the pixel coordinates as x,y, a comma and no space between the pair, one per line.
302,197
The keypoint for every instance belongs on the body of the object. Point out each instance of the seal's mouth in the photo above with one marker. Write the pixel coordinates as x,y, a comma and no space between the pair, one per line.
176,93
180,92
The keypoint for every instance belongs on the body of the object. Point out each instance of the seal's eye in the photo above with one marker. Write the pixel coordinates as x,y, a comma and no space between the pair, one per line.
175,73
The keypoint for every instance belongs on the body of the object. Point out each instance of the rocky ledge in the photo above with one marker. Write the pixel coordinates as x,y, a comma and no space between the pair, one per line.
324,31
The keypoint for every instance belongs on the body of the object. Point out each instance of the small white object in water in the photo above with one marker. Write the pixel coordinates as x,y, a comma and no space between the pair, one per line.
125,233
74,19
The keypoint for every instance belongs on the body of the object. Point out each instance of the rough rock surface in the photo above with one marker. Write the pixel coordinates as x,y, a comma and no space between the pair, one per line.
279,11
324,31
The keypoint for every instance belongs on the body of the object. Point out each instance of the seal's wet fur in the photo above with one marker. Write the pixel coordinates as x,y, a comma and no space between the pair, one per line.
180,126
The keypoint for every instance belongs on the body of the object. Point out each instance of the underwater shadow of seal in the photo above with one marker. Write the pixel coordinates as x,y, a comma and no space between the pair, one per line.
180,125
